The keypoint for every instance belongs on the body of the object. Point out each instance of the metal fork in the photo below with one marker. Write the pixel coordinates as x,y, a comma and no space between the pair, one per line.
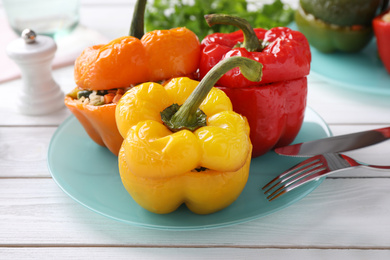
311,169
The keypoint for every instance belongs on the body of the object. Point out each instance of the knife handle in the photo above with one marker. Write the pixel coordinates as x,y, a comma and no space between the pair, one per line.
385,131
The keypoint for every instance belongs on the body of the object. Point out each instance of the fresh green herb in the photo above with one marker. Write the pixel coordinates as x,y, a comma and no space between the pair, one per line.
167,14
83,93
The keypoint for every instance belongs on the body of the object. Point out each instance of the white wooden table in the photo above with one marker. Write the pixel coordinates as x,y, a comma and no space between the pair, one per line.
346,217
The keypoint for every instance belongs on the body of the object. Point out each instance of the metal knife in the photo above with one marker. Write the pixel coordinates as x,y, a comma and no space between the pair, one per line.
335,144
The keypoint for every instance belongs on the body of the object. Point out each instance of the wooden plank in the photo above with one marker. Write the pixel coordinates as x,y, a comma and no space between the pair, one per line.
343,129
342,219
339,214
338,105
23,151
188,253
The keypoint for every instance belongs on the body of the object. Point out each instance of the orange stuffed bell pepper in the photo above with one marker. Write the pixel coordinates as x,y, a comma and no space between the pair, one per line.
104,72
184,144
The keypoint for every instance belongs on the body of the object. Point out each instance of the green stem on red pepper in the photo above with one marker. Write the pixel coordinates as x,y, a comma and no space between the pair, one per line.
189,116
251,42
137,22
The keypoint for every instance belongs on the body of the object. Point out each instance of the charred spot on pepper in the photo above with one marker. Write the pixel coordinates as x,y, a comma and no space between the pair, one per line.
169,112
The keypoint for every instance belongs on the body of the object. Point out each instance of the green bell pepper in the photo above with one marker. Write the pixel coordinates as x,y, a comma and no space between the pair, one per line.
338,25
344,12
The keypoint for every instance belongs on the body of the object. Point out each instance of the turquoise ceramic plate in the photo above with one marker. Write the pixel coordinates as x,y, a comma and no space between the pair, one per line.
89,174
362,71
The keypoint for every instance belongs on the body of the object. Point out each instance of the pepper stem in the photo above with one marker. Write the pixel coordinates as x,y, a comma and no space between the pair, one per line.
187,116
251,42
137,22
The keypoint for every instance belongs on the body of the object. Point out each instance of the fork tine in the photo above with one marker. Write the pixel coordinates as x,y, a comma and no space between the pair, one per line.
290,172
298,174
307,177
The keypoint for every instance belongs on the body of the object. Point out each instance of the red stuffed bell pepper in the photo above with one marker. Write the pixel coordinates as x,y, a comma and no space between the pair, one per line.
381,25
274,106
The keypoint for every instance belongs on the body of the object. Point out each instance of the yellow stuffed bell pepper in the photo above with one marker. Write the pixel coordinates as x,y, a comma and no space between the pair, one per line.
184,144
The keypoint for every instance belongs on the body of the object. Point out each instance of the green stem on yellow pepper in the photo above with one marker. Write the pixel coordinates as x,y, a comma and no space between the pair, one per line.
137,22
251,42
189,116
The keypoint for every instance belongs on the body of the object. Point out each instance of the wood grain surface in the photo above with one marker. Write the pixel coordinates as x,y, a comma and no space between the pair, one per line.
346,217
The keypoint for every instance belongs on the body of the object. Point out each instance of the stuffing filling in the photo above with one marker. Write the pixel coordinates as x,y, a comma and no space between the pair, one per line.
97,98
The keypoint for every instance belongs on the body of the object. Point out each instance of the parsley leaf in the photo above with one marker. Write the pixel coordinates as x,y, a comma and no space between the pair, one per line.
167,14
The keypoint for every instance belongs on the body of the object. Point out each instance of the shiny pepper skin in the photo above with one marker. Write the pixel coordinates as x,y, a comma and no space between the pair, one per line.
98,122
287,56
279,113
206,169
126,61
274,106
381,26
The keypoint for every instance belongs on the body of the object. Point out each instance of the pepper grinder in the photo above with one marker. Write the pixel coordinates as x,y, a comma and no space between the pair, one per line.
40,94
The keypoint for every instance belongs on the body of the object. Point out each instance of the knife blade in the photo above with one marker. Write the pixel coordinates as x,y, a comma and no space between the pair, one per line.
336,144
